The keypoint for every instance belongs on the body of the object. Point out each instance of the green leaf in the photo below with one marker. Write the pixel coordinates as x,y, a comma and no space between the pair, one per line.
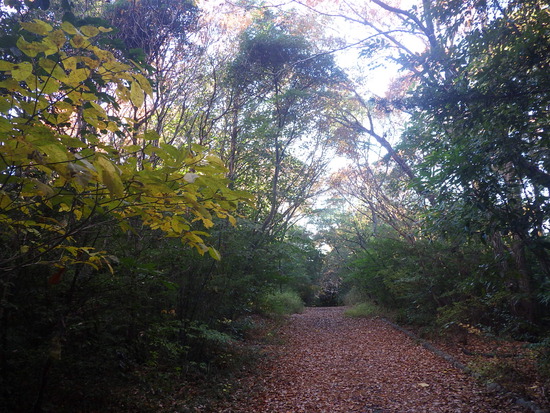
150,135
55,153
5,104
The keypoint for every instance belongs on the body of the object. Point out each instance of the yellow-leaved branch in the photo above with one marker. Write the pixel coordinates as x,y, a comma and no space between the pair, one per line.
66,163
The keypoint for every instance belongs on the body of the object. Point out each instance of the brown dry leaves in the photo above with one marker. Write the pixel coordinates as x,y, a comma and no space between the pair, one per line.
330,363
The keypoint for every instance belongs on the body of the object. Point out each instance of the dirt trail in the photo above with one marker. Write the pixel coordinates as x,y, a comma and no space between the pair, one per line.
330,363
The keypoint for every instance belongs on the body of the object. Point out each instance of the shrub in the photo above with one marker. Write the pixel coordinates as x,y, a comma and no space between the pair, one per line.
287,302
364,310
355,296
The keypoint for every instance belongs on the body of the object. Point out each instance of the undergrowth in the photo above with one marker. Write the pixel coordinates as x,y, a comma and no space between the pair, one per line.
365,310
282,303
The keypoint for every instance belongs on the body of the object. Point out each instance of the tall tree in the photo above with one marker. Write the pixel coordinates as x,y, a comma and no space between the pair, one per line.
283,91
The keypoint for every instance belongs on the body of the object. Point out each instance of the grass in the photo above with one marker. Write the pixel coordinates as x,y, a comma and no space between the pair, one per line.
283,303
364,310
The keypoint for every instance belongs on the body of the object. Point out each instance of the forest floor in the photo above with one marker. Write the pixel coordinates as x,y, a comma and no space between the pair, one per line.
322,361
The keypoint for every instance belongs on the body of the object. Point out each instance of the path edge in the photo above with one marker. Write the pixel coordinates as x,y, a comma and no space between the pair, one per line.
520,401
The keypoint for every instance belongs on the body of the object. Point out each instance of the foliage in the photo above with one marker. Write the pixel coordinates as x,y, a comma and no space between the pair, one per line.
282,93
77,178
364,310
467,194
58,178
481,146
281,303
150,25
438,283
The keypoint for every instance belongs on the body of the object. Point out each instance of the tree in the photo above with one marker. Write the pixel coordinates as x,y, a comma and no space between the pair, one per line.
475,145
282,92
481,141
50,163
69,178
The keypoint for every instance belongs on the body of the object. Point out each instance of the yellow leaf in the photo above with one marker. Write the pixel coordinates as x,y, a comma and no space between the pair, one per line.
112,127
5,200
5,66
68,28
64,207
136,94
37,27
91,63
21,71
30,49
77,76
103,55
214,253
46,63
50,86
49,46
58,38
201,248
144,83
178,225
70,63
79,41
207,223
53,68
122,92
89,31
64,106
109,175
100,110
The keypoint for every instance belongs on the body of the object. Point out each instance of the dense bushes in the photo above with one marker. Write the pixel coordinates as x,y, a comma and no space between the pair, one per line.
165,312
439,283
282,303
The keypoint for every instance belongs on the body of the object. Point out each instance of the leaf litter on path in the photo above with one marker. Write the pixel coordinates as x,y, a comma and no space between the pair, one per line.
328,363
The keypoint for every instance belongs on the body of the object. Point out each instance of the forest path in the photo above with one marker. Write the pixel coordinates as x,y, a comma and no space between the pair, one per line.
331,363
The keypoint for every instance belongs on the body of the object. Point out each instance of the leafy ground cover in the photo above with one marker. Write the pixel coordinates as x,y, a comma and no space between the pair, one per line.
326,362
